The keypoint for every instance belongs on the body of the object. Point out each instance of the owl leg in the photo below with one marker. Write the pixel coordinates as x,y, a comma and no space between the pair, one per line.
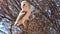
17,23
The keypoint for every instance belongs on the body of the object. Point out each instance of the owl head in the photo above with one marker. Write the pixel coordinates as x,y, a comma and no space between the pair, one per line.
25,5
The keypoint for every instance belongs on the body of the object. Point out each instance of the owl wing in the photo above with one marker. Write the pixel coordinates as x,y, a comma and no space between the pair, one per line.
20,16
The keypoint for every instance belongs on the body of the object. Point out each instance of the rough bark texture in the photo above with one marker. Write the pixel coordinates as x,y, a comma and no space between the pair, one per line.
47,16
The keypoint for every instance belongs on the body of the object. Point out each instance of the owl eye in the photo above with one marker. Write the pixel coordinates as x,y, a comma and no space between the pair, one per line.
24,5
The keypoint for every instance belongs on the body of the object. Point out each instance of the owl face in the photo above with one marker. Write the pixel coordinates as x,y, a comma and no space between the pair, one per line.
24,5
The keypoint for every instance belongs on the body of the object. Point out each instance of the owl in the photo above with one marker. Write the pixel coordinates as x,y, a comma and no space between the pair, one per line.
24,13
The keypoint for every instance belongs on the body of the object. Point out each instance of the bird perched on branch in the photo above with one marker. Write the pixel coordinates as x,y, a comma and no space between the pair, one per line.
24,13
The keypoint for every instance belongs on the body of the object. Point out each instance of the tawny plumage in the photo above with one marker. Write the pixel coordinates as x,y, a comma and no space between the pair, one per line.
24,13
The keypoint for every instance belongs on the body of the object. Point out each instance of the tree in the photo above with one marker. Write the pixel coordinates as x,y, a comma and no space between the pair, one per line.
47,16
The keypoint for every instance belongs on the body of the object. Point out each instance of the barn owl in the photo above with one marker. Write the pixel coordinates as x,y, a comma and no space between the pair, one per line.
24,13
